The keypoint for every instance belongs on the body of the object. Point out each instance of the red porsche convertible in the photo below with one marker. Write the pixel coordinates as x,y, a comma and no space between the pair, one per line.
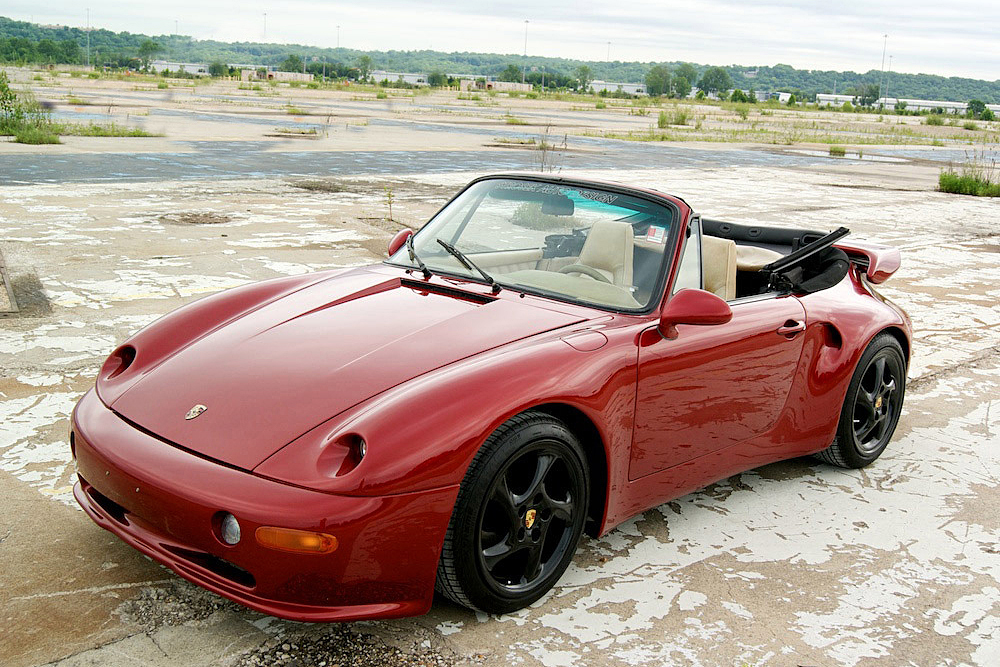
545,356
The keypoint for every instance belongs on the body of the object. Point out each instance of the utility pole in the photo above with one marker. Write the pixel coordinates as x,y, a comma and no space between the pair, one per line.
524,66
338,36
887,76
265,26
177,30
609,52
88,37
881,76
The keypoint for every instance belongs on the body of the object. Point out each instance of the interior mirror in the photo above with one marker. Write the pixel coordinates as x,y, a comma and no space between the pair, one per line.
399,240
557,205
693,306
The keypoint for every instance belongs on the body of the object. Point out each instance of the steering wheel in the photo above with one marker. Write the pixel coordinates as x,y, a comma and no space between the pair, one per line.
587,271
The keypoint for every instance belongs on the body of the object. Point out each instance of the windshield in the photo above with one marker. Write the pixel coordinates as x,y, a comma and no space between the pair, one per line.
568,241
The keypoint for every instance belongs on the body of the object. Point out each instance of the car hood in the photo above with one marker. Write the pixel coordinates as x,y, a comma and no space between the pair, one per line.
276,372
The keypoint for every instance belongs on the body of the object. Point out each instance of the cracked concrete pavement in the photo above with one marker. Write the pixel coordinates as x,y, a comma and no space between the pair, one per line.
796,563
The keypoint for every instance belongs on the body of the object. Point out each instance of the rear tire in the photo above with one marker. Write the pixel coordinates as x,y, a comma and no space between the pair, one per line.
518,516
872,407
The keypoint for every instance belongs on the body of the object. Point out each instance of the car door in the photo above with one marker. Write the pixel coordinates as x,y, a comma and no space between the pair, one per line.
714,386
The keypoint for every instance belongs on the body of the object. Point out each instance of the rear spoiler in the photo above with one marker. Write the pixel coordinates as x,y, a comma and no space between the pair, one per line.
878,261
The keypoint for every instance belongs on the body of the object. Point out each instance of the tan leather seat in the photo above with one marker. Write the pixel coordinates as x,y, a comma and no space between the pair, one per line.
608,249
718,266
752,258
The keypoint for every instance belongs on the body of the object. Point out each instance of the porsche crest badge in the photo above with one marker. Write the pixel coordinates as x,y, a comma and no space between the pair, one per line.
529,519
195,411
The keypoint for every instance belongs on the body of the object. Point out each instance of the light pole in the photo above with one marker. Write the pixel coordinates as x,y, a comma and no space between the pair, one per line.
882,73
887,76
524,66
88,37
265,26
609,52
338,36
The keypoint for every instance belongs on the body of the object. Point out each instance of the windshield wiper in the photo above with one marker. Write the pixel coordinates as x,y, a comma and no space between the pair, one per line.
416,260
470,265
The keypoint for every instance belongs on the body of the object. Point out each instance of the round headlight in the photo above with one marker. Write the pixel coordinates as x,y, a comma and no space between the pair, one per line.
230,529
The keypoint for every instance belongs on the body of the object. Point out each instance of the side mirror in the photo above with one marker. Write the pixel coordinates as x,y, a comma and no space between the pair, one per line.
399,240
693,306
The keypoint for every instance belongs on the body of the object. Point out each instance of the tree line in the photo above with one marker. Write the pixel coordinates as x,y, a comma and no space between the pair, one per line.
28,43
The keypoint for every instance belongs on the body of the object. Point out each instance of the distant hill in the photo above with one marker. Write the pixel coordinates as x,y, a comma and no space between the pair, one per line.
29,43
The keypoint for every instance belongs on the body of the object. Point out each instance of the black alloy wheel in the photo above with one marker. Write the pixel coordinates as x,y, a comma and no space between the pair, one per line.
872,407
518,518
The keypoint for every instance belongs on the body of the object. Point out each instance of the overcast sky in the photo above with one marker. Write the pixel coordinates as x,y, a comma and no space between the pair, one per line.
948,38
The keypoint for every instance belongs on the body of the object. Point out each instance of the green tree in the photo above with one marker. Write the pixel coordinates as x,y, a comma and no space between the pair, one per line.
715,80
867,95
900,106
218,69
680,87
364,65
511,73
658,81
147,50
738,96
437,79
975,108
688,71
584,76
752,96
292,63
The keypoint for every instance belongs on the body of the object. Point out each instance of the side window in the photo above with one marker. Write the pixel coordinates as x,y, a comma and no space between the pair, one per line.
689,272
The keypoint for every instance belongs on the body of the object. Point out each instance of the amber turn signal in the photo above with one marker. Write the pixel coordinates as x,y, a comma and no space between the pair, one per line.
296,541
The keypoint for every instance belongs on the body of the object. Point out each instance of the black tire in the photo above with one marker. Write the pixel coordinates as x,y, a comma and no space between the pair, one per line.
872,406
496,557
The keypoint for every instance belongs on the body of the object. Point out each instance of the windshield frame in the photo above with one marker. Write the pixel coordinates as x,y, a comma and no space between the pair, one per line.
666,263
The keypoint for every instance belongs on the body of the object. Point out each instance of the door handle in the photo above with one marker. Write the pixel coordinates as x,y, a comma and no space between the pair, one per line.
791,327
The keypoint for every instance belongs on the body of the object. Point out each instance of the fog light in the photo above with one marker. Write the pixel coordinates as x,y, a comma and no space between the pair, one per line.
230,529
297,541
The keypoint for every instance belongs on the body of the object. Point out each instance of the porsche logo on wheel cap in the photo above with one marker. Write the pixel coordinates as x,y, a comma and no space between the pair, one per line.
529,518
195,411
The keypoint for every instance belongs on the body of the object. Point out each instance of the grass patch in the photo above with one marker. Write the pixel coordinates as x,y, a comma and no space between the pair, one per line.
511,119
35,134
294,111
969,125
98,130
295,130
837,151
934,119
978,176
514,140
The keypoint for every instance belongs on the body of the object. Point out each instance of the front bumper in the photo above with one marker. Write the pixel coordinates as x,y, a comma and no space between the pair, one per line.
165,501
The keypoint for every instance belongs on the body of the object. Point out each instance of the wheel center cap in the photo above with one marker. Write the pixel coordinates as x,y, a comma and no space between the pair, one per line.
878,403
529,518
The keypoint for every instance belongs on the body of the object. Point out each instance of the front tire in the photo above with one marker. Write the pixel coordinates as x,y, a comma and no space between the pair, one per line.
872,407
518,517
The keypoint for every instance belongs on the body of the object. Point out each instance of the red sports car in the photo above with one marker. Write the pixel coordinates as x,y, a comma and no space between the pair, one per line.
545,356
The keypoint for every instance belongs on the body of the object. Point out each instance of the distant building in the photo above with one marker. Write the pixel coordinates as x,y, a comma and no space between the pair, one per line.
823,99
273,75
196,69
627,88
400,77
499,86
